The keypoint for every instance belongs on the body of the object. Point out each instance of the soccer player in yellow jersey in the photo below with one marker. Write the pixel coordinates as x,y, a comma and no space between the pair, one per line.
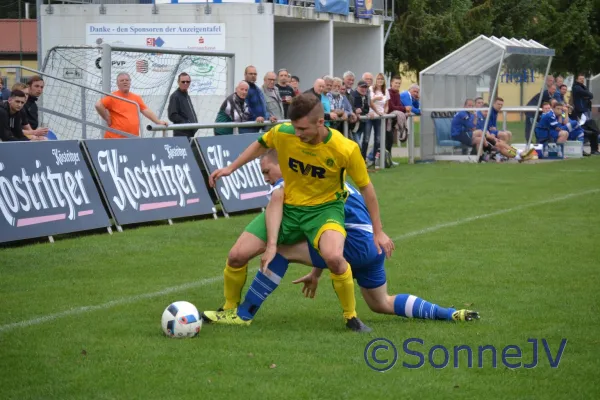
314,162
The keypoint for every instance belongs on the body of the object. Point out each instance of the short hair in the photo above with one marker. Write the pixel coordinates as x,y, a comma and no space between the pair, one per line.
486,104
281,70
246,69
414,86
33,79
561,86
182,74
294,77
327,78
121,74
17,93
467,100
396,78
545,104
478,98
270,155
303,105
558,103
347,74
498,99
19,86
338,80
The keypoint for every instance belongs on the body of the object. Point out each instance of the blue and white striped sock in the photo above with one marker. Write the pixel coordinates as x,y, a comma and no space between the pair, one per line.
407,305
261,287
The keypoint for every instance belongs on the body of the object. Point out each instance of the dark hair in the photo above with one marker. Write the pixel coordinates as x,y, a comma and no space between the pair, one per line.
182,74
294,77
467,100
396,77
544,103
478,98
34,78
17,93
561,86
484,104
498,99
303,105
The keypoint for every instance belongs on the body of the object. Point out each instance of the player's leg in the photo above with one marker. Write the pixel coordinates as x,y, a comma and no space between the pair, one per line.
505,136
324,229
262,286
562,137
251,243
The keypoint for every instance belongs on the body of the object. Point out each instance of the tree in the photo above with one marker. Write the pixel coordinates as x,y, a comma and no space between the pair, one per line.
427,30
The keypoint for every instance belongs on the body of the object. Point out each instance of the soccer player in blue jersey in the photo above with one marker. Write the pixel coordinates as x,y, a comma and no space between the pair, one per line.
505,136
360,251
549,129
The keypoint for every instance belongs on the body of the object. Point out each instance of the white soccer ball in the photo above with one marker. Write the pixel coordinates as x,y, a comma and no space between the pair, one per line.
181,320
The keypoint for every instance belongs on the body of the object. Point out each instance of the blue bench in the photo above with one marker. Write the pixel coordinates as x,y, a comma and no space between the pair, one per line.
442,122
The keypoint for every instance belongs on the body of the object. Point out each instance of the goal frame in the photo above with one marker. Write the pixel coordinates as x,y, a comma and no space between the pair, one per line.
106,64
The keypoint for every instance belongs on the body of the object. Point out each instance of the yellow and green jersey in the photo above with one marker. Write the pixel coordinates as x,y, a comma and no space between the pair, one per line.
315,174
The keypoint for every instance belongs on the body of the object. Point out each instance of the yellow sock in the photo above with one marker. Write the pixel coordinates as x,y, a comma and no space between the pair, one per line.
344,288
234,280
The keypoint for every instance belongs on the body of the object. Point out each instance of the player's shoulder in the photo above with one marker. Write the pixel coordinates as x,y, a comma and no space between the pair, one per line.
285,128
339,142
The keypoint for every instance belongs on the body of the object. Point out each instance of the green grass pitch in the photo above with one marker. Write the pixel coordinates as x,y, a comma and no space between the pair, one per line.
80,318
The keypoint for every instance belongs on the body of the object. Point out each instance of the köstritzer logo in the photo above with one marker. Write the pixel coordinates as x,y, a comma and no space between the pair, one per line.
201,40
155,42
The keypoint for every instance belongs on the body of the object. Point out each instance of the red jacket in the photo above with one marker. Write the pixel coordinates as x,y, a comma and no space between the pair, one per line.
394,103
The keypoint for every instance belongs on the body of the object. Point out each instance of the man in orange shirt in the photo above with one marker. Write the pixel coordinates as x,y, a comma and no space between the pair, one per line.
121,115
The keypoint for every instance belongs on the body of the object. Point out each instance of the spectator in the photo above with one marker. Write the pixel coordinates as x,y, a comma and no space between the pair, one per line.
410,99
286,92
395,128
37,134
549,81
36,88
181,110
272,97
4,92
551,93
255,99
505,136
582,97
379,98
122,115
562,93
368,77
339,104
325,100
294,83
317,90
549,128
348,91
234,109
559,81
11,129
361,107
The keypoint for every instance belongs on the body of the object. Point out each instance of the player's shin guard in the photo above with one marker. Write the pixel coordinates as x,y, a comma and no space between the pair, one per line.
344,288
262,286
234,280
407,305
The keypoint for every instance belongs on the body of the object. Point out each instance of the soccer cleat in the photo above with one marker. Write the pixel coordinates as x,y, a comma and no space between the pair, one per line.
528,155
357,325
227,317
464,315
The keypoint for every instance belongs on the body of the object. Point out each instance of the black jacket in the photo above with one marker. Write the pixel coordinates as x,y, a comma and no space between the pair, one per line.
10,125
582,99
31,109
181,111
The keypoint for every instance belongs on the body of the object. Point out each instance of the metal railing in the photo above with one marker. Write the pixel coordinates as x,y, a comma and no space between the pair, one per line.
252,124
83,119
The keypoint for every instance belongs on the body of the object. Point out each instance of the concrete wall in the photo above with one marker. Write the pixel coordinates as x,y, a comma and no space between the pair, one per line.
304,48
248,34
358,49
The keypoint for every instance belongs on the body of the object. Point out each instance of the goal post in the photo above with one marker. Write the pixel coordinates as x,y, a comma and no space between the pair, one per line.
154,74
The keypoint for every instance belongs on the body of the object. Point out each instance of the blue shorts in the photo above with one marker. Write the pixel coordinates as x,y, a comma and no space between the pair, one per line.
545,136
359,250
465,138
576,134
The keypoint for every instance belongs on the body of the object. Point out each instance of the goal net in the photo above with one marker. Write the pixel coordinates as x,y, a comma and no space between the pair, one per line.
153,77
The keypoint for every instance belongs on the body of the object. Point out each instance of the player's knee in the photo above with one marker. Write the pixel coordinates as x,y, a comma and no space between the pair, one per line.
335,262
238,257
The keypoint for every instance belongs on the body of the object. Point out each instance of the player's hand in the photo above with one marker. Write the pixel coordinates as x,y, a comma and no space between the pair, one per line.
383,242
221,172
310,285
266,259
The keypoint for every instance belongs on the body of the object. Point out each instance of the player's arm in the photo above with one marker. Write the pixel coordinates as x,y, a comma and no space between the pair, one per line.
273,217
358,172
103,112
311,281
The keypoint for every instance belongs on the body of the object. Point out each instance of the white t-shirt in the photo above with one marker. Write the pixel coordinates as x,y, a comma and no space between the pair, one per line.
379,99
